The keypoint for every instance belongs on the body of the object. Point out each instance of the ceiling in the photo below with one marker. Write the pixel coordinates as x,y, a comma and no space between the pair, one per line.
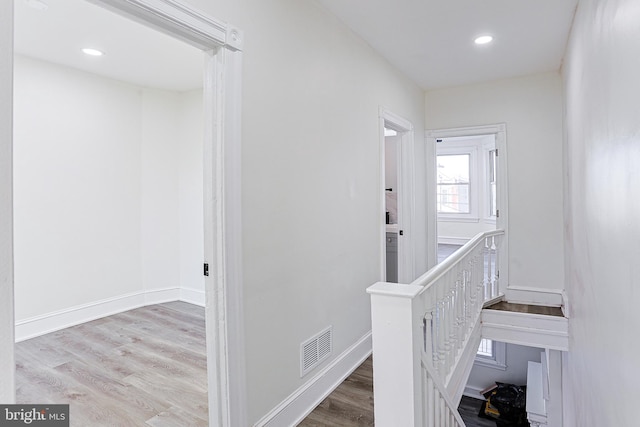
133,53
431,41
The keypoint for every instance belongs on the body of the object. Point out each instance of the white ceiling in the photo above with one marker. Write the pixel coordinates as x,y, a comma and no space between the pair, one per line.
134,53
431,41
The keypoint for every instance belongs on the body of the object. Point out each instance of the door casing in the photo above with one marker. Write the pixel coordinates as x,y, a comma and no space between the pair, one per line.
502,222
406,195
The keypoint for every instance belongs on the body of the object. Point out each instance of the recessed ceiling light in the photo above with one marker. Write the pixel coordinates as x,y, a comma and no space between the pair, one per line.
483,40
92,52
37,4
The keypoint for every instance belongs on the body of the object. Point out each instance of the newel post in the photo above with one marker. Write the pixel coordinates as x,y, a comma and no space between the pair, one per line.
397,339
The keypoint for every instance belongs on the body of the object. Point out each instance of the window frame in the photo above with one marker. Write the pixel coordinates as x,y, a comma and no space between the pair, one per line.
498,359
462,148
487,147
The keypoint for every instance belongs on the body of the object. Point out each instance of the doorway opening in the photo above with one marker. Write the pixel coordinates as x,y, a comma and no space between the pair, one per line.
397,206
220,237
466,173
468,188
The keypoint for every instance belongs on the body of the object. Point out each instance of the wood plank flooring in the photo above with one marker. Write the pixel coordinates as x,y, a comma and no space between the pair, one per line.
524,308
142,367
469,409
147,367
351,404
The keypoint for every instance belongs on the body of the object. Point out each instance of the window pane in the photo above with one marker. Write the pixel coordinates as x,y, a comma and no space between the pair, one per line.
453,183
493,208
492,183
453,168
486,348
453,198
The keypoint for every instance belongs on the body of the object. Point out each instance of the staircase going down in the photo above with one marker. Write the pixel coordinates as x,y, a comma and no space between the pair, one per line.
426,335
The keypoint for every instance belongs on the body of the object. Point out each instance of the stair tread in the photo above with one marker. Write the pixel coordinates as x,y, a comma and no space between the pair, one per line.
525,308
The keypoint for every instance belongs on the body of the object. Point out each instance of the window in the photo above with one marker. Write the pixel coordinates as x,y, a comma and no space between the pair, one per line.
493,177
486,348
454,184
466,179
491,354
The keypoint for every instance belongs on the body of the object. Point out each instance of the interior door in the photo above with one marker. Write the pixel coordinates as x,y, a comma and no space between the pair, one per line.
393,208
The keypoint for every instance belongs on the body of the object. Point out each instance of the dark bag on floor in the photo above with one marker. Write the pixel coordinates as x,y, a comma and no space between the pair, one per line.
510,400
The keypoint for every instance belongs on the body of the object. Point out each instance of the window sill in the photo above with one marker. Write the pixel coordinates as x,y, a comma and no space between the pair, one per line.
457,218
489,363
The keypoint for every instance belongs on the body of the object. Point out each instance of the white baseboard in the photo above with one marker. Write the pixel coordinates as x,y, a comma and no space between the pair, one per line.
473,392
54,321
534,296
443,240
304,400
193,296
158,296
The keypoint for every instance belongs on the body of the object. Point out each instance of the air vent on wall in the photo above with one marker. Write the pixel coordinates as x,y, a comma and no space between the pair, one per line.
315,350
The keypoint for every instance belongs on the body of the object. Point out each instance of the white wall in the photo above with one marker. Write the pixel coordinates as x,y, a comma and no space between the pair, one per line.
7,389
460,232
190,168
311,207
159,189
96,188
531,107
516,359
602,208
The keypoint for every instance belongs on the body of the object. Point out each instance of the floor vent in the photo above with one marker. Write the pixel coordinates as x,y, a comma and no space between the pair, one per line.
315,350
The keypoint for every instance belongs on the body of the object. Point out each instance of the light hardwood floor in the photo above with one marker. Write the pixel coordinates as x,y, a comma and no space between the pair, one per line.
351,404
147,367
144,367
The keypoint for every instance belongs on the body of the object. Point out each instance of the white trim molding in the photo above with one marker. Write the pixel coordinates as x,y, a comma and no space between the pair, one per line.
406,201
223,238
499,359
57,320
534,296
534,330
185,23
300,403
566,308
473,392
193,296
443,240
7,330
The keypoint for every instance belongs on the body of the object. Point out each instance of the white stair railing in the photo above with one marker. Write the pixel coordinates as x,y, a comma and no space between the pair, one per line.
426,334
438,409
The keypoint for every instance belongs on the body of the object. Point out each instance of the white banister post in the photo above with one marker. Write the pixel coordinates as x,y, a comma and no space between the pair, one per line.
397,340
501,264
554,377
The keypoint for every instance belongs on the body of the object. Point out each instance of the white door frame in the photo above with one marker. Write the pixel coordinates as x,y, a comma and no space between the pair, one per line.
7,322
222,46
502,222
406,195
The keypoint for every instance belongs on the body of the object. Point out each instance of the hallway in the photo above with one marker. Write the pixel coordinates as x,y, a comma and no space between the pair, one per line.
351,404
